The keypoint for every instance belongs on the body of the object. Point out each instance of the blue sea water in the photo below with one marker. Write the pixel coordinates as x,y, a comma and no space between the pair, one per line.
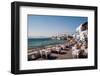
39,42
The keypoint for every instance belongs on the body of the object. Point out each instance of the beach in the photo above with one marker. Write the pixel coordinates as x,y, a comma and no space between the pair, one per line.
50,49
54,50
67,54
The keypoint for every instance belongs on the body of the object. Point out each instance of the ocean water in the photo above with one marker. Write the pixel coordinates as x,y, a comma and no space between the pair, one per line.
39,42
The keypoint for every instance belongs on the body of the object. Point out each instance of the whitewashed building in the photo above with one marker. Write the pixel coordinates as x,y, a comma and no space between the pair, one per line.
81,32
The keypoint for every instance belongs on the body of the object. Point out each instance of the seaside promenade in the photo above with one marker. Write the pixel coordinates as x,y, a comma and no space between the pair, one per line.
74,47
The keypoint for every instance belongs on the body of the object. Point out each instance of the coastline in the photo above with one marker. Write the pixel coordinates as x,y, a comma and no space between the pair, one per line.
61,54
41,47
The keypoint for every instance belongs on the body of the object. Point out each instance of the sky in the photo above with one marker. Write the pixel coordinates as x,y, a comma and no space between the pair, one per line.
47,26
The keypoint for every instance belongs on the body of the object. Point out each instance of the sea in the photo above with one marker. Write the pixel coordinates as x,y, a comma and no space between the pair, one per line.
41,42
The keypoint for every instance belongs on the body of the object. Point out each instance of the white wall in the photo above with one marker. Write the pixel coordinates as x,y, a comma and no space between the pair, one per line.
5,41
